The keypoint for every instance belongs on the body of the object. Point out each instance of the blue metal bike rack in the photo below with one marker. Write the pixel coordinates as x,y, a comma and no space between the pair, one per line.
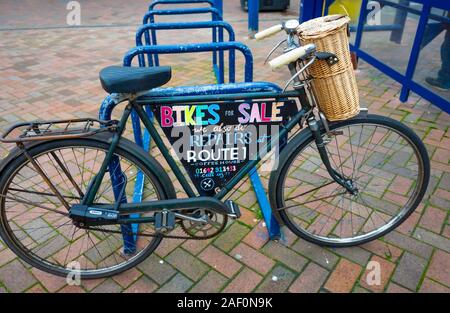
159,2
217,4
216,15
253,15
144,30
149,17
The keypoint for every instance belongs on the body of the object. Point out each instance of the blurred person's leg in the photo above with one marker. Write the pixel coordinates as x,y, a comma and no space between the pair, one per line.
442,81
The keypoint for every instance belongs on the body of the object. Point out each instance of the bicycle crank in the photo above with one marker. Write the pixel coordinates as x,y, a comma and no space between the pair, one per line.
203,224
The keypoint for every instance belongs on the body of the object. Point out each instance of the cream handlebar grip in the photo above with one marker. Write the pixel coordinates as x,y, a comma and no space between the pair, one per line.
291,56
269,32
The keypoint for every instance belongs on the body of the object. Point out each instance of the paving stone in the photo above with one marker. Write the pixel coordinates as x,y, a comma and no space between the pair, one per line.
257,237
177,284
52,246
432,239
433,219
157,269
248,217
409,244
187,264
383,249
15,277
285,255
446,231
125,279
359,289
278,280
6,256
108,286
445,181
439,202
36,289
314,252
51,282
247,200
220,261
439,268
310,280
244,282
168,245
343,277
231,237
252,258
195,246
429,286
355,254
409,271
408,226
90,284
142,285
394,288
72,289
210,283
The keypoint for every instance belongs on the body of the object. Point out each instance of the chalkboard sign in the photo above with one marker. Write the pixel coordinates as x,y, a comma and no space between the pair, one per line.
214,141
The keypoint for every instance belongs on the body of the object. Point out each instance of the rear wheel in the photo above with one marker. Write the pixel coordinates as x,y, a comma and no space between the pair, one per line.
385,160
34,219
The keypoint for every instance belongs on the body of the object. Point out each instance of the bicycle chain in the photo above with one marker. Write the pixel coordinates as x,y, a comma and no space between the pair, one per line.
146,234
183,228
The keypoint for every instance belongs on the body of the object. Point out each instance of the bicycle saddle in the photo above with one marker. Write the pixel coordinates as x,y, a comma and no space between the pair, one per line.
121,79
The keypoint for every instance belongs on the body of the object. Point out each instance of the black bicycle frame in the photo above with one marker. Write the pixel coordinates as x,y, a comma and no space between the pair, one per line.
194,201
137,105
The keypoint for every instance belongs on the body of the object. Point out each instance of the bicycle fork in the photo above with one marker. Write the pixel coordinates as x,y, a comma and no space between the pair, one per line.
337,177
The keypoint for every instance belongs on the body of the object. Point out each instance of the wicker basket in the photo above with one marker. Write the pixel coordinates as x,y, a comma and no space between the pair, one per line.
334,86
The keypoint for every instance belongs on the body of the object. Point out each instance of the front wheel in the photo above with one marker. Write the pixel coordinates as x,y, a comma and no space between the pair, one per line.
387,163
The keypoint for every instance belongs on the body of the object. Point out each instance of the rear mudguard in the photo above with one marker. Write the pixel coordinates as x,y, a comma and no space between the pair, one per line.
125,144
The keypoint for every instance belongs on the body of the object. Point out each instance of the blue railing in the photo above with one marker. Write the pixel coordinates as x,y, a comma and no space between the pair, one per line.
314,8
219,70
159,2
216,15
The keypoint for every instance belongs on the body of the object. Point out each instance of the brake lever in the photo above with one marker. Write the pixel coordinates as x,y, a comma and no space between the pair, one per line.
273,50
311,61
331,58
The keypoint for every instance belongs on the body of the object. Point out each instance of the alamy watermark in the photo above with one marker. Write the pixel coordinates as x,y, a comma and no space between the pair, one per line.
73,278
374,13
373,277
73,17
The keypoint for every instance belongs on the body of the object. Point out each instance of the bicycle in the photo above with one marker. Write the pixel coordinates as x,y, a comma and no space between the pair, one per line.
333,184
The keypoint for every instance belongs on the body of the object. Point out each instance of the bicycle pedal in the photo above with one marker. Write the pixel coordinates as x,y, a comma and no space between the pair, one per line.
164,221
233,209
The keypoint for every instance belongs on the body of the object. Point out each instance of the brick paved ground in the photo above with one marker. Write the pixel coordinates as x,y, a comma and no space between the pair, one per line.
52,72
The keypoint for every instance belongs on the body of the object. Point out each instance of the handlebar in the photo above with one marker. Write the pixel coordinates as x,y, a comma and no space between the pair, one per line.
294,52
269,32
292,56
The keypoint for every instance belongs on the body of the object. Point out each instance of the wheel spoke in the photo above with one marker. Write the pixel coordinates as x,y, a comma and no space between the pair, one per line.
374,153
39,223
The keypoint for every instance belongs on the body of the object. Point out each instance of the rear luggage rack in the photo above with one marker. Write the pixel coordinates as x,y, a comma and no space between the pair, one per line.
50,130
